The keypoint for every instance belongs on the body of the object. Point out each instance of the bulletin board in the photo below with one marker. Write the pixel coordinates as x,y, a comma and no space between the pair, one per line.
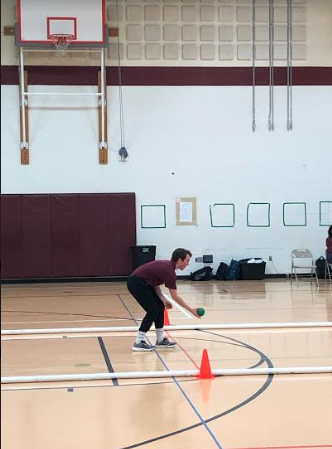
186,211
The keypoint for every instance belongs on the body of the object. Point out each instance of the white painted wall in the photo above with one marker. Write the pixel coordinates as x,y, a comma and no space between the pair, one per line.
202,135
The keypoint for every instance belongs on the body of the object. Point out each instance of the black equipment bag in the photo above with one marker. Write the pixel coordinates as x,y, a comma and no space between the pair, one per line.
222,271
203,274
320,267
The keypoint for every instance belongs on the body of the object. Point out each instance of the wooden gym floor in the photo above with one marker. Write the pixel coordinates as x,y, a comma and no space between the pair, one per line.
263,411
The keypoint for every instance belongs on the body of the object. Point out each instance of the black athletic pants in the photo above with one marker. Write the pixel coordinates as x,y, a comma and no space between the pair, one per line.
147,298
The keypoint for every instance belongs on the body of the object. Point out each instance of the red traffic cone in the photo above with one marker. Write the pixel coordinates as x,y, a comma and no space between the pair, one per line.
205,370
166,318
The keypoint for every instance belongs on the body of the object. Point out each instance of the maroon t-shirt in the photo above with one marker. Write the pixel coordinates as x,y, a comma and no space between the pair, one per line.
158,272
329,245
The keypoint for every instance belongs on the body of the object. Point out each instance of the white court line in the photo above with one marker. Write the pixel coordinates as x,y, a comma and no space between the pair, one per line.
171,300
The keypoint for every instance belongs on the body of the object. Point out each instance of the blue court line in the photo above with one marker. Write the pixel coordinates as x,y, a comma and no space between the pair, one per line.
179,386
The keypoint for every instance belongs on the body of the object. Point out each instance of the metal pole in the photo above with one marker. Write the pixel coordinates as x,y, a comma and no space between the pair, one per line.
253,125
78,330
289,68
102,81
158,374
175,304
24,144
271,69
55,94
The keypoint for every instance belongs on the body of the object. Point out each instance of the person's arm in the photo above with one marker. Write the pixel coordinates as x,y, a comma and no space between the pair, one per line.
177,298
163,298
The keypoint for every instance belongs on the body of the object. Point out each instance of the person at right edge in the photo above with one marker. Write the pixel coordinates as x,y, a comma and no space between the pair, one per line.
329,245
144,284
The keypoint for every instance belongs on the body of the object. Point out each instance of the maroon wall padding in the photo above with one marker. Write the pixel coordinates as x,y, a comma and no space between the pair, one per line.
68,235
120,231
65,235
11,236
37,256
94,235
167,76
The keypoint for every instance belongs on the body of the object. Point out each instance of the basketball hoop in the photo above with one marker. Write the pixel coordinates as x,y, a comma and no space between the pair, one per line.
61,42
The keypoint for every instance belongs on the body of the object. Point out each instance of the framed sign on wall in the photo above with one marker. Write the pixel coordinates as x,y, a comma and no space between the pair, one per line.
186,211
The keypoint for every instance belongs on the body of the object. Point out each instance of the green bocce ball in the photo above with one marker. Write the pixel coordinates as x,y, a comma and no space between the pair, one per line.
200,311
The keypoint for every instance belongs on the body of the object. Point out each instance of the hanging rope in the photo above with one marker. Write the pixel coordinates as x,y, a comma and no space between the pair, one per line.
289,68
253,125
123,151
271,68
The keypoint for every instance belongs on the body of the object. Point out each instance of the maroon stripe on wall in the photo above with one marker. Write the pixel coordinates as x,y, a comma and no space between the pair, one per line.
167,76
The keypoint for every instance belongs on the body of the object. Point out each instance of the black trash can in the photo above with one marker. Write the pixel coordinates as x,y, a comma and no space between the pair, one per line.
143,254
252,271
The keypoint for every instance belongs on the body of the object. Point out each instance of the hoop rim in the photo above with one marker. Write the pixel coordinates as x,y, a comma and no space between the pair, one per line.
65,35
61,42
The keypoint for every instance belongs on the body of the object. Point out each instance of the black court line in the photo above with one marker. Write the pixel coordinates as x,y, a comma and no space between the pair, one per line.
67,314
203,422
107,359
266,384
220,415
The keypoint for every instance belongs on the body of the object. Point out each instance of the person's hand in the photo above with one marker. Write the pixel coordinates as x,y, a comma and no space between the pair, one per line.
194,312
168,305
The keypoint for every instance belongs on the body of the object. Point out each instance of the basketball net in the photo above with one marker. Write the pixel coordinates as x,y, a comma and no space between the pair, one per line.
61,42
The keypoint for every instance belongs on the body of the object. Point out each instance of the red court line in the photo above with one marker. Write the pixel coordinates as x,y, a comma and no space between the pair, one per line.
284,447
182,348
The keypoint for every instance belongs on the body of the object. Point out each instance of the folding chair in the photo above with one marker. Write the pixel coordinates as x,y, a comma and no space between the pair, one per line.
302,259
328,269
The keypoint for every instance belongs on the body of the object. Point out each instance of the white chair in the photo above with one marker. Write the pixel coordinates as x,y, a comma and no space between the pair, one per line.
302,259
328,269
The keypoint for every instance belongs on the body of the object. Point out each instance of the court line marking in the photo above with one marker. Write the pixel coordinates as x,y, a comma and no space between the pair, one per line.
107,359
180,388
226,412
182,348
4,323
286,447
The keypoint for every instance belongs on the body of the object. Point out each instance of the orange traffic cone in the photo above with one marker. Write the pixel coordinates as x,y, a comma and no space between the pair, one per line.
205,370
166,318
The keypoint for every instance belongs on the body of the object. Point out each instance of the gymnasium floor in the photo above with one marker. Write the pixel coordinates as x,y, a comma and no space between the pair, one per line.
233,412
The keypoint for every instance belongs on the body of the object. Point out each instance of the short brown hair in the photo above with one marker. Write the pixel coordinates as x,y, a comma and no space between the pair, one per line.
180,253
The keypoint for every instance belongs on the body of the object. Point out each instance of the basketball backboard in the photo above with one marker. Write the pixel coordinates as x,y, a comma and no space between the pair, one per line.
37,20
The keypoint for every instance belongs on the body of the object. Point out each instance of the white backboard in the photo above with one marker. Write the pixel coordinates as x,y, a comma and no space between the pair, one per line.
38,19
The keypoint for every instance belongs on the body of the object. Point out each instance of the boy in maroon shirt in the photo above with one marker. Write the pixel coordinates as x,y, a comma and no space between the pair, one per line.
144,284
